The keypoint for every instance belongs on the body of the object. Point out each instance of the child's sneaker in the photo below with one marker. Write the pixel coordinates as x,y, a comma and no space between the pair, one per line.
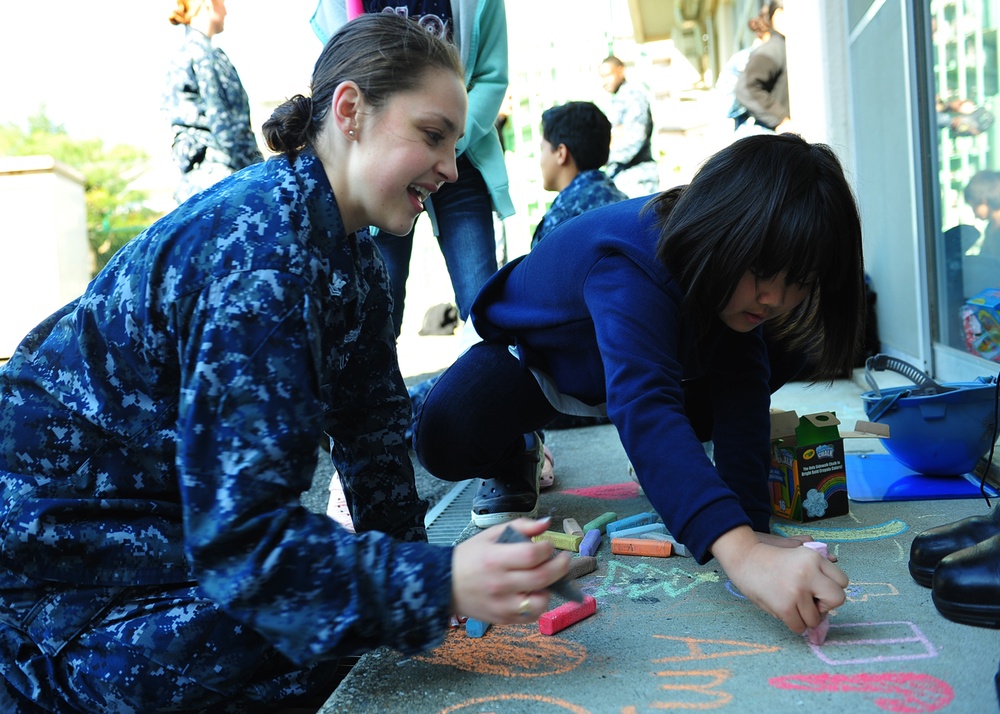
503,499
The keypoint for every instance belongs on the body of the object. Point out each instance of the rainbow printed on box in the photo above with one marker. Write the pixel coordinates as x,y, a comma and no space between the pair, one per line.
808,478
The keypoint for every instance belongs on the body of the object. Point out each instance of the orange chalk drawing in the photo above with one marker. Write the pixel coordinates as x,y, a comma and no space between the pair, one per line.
863,592
695,694
472,706
697,651
508,651
891,691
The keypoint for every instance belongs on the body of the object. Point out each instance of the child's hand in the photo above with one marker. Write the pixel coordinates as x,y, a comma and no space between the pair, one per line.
796,585
504,583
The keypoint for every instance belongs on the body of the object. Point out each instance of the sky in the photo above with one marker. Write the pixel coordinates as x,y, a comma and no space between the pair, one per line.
103,76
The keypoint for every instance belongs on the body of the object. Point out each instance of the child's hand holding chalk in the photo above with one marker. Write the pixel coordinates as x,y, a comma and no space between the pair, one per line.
790,583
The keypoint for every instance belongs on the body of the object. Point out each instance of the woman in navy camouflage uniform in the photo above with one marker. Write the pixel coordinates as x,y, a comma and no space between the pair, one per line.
156,433
206,103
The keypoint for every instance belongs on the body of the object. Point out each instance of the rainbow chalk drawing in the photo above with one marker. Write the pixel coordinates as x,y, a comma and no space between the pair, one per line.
889,529
891,691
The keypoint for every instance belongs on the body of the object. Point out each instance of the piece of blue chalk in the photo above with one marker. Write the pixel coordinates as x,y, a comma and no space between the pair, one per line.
639,519
638,530
591,542
680,549
476,628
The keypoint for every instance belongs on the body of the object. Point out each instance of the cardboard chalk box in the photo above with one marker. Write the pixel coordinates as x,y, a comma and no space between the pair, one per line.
981,324
808,479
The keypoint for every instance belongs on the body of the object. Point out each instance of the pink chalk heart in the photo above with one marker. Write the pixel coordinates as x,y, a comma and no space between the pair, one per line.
608,492
903,691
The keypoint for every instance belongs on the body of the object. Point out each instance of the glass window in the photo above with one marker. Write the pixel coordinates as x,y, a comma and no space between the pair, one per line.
966,73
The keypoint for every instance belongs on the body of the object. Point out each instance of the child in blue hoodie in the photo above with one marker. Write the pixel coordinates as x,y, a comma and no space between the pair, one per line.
617,310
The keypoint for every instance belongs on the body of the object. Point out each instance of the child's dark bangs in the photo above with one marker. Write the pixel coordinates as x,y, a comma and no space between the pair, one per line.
806,239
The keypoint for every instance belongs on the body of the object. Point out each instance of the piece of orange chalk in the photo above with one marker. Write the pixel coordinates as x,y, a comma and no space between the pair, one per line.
563,616
639,546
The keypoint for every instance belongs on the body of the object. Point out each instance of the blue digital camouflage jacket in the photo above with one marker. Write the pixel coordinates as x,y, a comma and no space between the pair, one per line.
207,107
161,428
588,189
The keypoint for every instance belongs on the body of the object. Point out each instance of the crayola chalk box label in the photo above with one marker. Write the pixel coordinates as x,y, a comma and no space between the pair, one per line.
808,481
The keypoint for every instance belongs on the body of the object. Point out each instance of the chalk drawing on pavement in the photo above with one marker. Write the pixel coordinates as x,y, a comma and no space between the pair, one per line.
645,582
891,641
890,691
507,651
889,529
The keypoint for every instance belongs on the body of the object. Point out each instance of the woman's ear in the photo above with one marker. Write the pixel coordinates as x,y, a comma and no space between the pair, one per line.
347,101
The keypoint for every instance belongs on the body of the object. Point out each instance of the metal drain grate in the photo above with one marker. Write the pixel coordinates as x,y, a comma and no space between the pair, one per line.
451,515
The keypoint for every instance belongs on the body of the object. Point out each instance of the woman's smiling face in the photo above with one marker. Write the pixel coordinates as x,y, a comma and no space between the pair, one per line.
410,149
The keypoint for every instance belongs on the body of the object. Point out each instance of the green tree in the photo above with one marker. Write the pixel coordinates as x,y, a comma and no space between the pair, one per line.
115,213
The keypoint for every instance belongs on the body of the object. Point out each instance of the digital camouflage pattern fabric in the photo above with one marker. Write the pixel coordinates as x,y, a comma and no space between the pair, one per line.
209,111
587,190
156,435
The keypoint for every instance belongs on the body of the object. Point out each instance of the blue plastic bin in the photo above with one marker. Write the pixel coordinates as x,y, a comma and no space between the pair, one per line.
941,434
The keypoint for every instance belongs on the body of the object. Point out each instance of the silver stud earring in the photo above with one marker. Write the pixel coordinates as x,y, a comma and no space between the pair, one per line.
350,133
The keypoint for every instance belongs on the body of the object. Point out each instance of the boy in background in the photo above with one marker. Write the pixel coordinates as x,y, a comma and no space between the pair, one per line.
576,141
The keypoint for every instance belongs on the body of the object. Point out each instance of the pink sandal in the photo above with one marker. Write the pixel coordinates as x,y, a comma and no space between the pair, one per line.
548,476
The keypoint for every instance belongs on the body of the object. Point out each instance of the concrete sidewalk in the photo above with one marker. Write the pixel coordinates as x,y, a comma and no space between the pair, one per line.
669,633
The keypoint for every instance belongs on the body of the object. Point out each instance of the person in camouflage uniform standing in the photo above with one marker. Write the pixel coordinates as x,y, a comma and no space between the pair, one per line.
156,433
205,103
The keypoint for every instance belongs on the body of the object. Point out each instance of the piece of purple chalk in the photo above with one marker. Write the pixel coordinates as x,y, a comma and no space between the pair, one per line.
591,542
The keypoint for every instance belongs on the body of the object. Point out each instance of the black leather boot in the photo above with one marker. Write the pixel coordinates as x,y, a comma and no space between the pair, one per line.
966,586
928,548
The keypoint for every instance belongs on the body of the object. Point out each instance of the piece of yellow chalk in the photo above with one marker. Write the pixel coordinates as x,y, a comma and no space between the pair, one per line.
562,541
638,546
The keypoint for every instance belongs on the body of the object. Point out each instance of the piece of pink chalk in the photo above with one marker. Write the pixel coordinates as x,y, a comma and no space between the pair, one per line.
563,616
817,635
819,547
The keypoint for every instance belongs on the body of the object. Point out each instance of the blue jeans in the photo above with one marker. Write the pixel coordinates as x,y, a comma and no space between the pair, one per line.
473,420
464,214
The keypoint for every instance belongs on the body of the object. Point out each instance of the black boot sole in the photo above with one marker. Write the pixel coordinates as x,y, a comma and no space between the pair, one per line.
966,614
923,576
